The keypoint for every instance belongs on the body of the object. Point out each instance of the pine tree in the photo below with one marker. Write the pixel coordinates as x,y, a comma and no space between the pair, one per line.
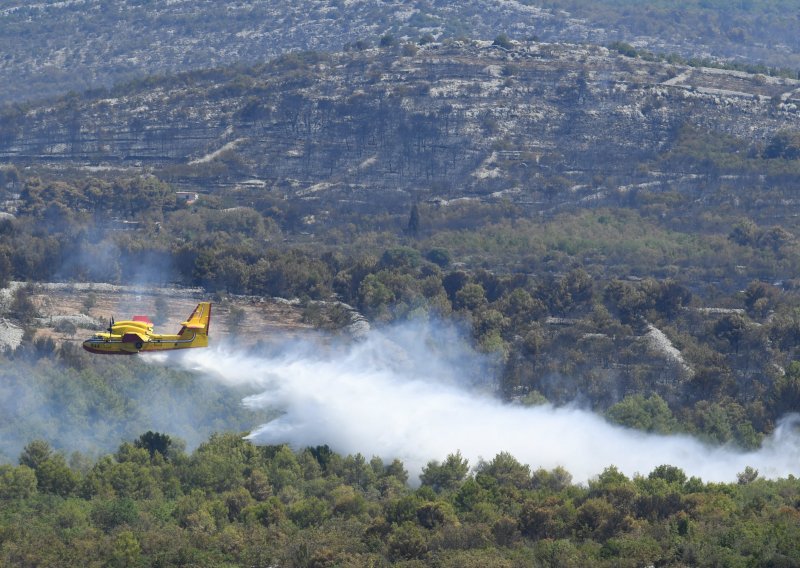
413,221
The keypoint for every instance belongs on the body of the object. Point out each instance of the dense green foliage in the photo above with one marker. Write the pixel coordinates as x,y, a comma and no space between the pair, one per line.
230,503
565,306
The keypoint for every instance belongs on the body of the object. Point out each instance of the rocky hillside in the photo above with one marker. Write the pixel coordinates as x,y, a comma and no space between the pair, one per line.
536,123
50,48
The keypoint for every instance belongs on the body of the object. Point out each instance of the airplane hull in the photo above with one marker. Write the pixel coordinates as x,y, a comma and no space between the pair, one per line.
106,349
119,347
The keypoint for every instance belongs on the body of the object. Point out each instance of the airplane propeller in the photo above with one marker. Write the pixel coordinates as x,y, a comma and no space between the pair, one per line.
110,324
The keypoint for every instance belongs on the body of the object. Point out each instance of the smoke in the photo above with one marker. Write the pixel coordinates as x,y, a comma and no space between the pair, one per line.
93,404
415,393
99,258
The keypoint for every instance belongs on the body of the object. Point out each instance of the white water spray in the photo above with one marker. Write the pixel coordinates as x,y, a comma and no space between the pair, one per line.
410,393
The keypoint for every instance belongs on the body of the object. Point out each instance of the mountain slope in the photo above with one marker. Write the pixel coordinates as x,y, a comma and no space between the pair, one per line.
52,48
540,124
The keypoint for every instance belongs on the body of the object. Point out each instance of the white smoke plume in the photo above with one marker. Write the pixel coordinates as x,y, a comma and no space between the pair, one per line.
411,393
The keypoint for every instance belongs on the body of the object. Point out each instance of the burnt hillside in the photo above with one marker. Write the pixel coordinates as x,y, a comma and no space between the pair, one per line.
52,48
541,125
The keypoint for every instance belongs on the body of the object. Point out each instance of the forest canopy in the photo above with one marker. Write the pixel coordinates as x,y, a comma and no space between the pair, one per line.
232,503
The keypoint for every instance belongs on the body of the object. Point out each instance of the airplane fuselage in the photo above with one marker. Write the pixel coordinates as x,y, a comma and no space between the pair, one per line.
110,343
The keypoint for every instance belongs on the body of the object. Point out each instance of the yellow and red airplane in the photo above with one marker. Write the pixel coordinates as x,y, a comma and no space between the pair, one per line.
136,335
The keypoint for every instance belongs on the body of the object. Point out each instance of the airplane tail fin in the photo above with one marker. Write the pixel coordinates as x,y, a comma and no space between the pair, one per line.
196,327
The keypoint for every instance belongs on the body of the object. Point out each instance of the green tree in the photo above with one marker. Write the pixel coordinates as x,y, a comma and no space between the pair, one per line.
671,297
553,481
435,514
22,306
54,476
669,473
400,258
624,299
347,502
413,225
749,475
775,238
108,514
407,542
596,520
574,290
650,414
439,256
732,328
470,297
308,512
504,471
35,453
357,472
453,283
446,476
660,494
374,296
712,421
784,144
760,298
745,233
126,552
613,486
388,40
283,469
155,442
784,394
625,49
17,482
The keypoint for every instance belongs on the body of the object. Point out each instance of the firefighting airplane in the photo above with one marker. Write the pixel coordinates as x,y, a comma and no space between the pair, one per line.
136,336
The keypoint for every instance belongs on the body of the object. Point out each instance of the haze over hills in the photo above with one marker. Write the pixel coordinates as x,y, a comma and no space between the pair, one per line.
50,48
